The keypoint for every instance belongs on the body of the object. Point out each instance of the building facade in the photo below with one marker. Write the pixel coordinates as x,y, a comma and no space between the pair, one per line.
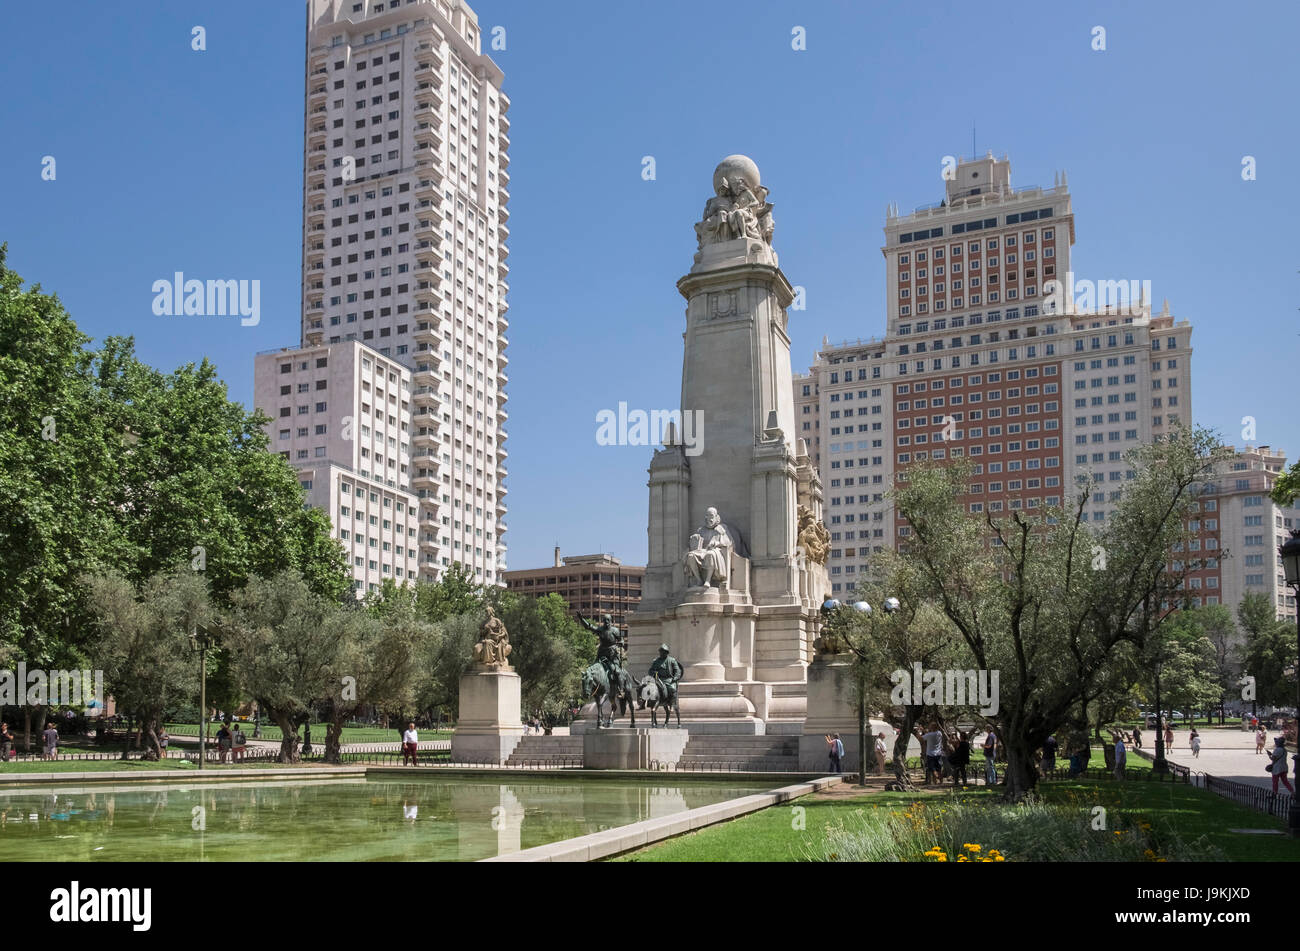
1251,527
992,351
341,416
591,584
404,245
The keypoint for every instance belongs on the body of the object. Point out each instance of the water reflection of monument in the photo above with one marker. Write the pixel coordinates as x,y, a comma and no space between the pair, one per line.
726,583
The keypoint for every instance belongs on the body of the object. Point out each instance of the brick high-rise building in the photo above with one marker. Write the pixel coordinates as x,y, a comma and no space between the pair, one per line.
591,584
985,357
404,246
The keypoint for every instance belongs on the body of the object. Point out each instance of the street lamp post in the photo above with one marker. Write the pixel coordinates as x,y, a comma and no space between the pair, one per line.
1290,555
202,638
829,609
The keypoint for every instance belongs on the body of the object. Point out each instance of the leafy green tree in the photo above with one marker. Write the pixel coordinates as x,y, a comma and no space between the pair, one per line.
1270,649
144,646
197,485
1045,598
883,644
455,592
549,649
57,473
377,662
285,643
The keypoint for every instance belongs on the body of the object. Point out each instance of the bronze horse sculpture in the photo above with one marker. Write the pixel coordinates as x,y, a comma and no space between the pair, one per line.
653,696
596,686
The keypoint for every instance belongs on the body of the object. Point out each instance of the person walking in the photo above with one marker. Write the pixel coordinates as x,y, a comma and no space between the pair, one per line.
960,758
1277,766
1260,739
1169,735
1121,756
836,750
1194,741
162,740
1137,738
410,746
990,759
239,743
6,742
51,738
880,752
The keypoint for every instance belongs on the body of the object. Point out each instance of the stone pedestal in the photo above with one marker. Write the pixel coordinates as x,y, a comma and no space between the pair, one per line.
490,725
832,708
625,748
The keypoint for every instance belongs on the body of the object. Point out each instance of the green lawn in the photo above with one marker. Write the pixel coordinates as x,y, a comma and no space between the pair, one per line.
772,835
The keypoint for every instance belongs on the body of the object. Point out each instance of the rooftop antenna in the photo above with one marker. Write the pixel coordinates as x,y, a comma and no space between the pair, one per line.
973,153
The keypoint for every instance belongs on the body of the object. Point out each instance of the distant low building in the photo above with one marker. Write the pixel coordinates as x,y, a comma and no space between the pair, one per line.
591,584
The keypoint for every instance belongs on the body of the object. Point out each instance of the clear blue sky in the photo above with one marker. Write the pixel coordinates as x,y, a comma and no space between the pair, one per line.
170,159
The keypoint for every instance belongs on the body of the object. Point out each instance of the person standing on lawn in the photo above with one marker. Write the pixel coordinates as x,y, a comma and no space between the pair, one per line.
960,758
836,750
880,752
51,738
990,759
932,750
1121,756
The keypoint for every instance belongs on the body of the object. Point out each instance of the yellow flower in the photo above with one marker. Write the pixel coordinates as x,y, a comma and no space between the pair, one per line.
962,858
970,847
999,858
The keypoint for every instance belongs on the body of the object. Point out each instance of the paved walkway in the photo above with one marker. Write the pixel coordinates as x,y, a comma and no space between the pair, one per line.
394,747
1225,754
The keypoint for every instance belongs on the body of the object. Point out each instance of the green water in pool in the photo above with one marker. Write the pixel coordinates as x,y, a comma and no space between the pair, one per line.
429,819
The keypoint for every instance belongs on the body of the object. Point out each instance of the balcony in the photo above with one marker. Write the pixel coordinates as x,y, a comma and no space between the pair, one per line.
428,333
426,439
502,415
428,293
428,102
428,191
426,134
502,379
426,271
424,479
425,375
503,270
426,230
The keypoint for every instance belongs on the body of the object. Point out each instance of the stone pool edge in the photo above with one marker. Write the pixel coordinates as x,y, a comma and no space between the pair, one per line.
600,845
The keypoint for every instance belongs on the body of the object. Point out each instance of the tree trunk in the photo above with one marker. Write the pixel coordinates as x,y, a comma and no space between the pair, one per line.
1022,772
901,778
153,745
334,740
289,741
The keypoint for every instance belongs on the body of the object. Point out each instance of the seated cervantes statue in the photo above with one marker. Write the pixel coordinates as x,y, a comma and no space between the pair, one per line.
708,559
493,645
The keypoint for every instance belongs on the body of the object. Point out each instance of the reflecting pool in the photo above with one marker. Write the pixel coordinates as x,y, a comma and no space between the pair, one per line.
426,819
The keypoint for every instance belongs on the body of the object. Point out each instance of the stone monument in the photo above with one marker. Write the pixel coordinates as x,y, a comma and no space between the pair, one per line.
726,582
490,725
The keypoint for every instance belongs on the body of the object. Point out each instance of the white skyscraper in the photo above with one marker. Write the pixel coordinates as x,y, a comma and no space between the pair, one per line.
404,248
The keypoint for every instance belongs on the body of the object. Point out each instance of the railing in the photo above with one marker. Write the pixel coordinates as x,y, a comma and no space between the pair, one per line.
1258,798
